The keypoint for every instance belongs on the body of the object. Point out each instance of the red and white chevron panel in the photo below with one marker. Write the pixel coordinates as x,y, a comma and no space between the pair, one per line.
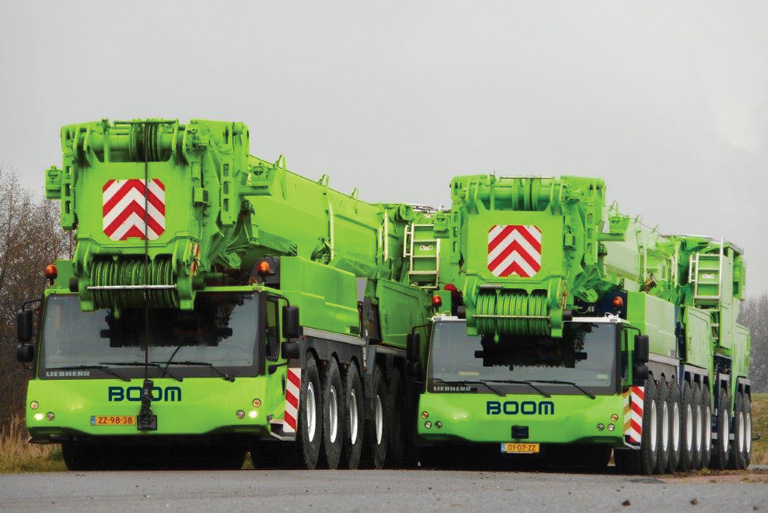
633,415
292,388
514,249
123,209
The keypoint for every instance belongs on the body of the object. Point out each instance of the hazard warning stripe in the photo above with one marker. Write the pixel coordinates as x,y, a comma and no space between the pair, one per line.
633,415
123,209
292,390
514,249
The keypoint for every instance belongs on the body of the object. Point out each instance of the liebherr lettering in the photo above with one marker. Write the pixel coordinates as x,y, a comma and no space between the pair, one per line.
167,394
520,408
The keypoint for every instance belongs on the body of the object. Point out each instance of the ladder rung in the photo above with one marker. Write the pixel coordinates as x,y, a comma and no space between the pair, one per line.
433,273
425,256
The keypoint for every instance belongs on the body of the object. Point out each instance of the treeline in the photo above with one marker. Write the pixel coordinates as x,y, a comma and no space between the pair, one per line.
754,315
30,239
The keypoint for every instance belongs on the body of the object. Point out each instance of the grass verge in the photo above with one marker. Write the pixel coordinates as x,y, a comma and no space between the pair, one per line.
760,425
18,455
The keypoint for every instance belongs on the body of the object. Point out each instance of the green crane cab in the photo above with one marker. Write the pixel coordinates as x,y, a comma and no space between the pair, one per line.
215,304
571,330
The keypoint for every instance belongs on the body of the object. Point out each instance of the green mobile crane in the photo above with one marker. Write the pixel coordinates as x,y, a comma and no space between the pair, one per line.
570,329
216,303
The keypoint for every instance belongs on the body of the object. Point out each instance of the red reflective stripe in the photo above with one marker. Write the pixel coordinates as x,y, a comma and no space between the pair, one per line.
292,400
514,267
530,238
499,238
133,231
126,188
293,377
133,208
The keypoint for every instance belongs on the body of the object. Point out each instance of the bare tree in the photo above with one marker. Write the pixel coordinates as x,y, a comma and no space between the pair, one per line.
30,238
754,315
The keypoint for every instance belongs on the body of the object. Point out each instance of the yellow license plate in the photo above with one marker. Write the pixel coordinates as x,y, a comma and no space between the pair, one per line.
518,448
113,420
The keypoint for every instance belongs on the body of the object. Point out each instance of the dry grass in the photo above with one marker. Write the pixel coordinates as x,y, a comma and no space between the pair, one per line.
17,455
760,425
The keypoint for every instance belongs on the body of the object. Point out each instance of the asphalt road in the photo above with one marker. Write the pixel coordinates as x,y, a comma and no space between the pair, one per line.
373,491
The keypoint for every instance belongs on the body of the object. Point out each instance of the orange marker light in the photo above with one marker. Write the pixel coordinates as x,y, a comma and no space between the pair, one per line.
51,272
263,268
437,301
618,302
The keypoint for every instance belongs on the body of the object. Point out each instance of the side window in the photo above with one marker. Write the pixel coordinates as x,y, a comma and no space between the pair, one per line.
624,354
272,332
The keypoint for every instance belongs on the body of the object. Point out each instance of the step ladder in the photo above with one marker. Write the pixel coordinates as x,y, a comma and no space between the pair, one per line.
422,250
705,273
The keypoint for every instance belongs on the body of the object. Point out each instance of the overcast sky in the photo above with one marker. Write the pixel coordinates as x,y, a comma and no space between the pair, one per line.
666,101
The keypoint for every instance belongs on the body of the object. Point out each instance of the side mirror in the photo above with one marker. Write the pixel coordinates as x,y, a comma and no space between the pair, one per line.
412,346
290,350
291,327
642,349
641,372
25,353
24,325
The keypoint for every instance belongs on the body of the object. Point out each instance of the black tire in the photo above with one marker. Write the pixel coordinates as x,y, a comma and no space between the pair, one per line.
674,408
662,462
706,427
354,419
736,456
722,445
78,456
377,432
747,431
698,428
333,416
397,441
309,435
688,429
643,460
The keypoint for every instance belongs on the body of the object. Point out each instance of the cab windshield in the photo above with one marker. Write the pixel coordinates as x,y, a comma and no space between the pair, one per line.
219,335
586,356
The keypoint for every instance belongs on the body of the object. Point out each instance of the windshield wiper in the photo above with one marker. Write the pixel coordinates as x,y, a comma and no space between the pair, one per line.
560,382
523,382
466,383
151,364
100,367
226,376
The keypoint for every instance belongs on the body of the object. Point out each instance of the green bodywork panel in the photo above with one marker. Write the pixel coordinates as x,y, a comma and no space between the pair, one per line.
698,338
655,318
326,296
196,406
573,419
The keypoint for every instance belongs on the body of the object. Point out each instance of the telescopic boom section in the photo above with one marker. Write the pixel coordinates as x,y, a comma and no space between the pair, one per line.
192,200
530,248
534,251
